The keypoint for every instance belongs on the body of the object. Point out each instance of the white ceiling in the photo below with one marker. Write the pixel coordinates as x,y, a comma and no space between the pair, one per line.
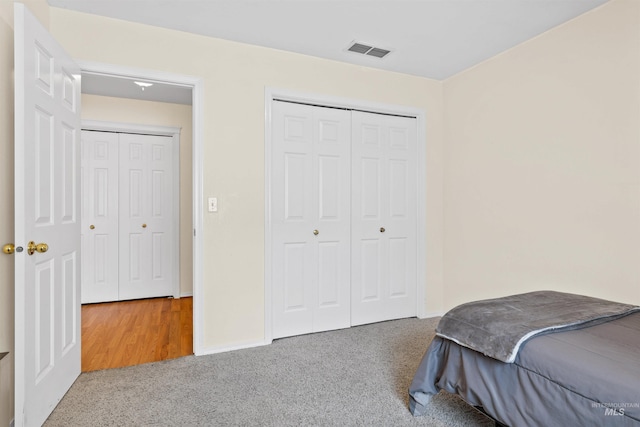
430,38
107,85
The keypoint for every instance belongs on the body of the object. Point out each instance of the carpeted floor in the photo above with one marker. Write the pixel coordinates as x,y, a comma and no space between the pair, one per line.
352,377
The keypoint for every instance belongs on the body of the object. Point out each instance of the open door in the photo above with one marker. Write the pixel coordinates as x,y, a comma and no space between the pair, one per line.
47,216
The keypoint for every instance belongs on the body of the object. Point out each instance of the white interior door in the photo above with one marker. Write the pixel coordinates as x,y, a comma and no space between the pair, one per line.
147,233
99,216
310,219
384,197
47,210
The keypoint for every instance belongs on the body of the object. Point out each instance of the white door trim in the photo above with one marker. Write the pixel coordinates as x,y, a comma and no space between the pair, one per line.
272,94
197,85
174,133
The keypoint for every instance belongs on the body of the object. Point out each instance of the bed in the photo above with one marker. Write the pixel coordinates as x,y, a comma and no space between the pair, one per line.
537,359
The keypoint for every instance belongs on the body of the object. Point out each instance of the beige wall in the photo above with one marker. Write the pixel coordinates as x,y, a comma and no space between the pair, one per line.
158,114
542,164
235,76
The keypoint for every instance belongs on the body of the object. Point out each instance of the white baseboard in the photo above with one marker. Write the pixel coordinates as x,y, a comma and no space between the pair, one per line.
430,315
224,349
186,294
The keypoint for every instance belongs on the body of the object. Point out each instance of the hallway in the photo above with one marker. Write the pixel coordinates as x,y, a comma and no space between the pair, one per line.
126,333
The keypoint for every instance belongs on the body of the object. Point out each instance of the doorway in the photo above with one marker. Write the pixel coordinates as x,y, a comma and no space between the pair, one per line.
111,79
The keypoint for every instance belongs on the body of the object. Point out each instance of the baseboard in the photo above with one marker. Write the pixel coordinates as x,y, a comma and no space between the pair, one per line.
12,423
224,349
433,314
186,294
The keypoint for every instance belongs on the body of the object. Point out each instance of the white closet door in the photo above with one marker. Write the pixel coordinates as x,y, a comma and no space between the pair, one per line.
146,219
99,216
383,262
310,219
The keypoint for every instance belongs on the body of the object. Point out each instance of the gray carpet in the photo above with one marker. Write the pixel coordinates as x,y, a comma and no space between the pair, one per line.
352,377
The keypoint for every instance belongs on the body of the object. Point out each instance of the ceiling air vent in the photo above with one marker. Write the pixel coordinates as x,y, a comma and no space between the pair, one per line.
368,50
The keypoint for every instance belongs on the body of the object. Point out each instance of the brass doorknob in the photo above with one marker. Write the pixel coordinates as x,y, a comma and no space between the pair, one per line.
92,226
144,225
382,230
10,248
33,247
316,232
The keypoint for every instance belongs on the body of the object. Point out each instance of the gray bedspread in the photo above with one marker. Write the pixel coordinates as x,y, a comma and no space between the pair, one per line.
498,327
587,377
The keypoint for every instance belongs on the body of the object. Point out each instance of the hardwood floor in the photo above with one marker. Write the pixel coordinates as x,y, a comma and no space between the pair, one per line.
126,333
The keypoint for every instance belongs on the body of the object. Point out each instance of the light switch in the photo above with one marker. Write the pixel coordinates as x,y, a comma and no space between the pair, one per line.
213,204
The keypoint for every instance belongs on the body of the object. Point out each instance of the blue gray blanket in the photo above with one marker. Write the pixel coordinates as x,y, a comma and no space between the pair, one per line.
498,327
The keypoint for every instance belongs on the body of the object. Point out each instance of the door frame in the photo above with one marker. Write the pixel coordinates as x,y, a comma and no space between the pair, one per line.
197,103
274,94
174,134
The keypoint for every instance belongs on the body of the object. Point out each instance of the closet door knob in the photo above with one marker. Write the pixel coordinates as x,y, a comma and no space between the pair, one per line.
92,226
144,225
316,232
382,230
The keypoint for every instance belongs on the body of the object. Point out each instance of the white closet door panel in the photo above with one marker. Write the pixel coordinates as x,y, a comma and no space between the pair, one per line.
384,217
294,274
370,270
371,188
398,256
297,186
99,210
146,223
331,184
329,202
310,219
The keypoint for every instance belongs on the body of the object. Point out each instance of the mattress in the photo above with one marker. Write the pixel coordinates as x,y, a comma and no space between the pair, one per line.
584,377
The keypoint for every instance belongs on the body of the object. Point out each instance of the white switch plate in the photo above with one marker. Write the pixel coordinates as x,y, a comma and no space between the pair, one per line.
213,204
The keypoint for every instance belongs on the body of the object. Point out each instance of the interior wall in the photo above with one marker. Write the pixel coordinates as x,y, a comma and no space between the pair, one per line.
542,164
6,211
125,110
235,76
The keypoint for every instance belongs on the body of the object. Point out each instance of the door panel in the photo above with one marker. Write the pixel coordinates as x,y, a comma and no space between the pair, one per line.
384,217
99,216
47,293
370,265
310,176
296,186
370,182
328,274
145,217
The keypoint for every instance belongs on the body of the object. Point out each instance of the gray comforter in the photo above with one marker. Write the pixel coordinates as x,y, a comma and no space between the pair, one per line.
498,327
588,377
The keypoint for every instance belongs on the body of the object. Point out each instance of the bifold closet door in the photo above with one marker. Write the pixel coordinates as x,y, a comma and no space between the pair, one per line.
146,261
310,203
383,226
99,235
127,216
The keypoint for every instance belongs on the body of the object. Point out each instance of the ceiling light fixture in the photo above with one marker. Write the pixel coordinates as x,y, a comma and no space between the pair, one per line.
143,84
